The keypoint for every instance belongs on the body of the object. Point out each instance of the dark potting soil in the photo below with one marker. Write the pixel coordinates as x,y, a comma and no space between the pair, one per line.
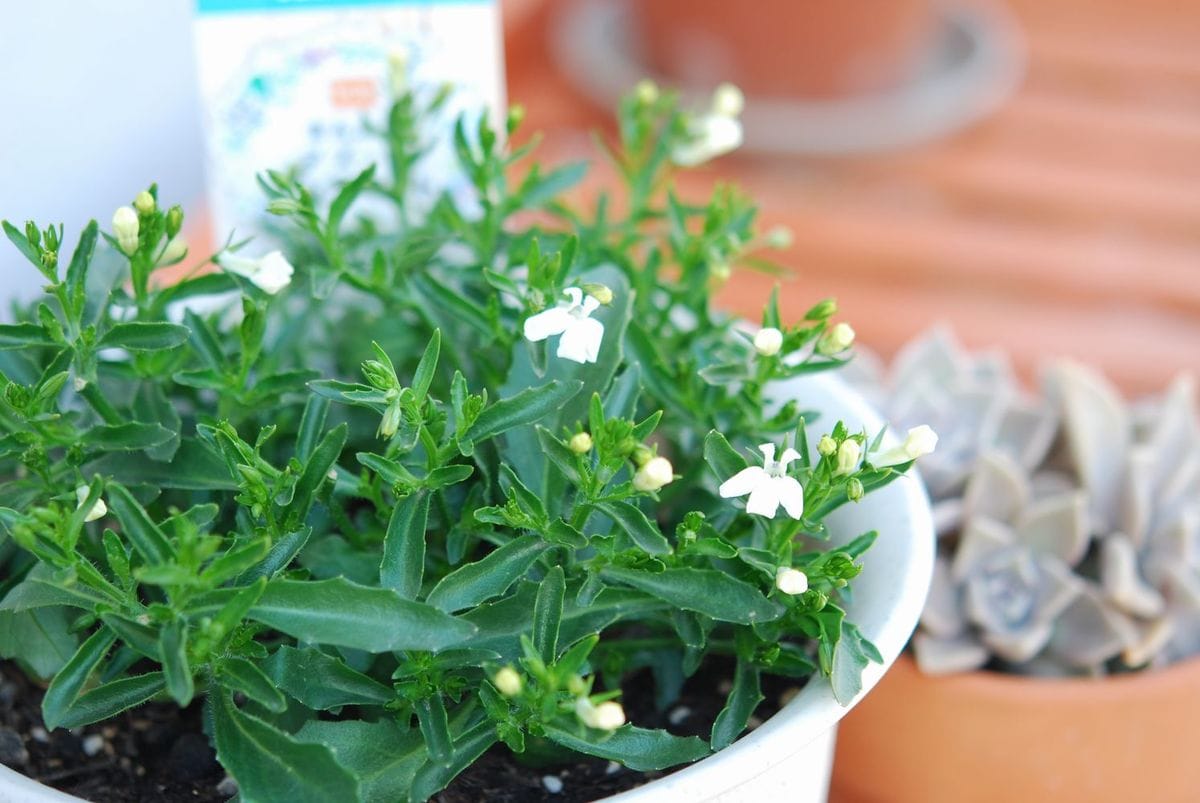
158,753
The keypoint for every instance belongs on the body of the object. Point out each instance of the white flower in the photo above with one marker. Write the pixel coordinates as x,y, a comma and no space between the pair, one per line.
654,474
270,272
836,340
769,486
608,716
125,228
848,456
99,509
144,203
715,133
581,334
919,442
791,581
768,341
508,682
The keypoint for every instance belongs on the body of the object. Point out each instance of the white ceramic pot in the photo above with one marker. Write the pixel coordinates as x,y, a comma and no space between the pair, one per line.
790,757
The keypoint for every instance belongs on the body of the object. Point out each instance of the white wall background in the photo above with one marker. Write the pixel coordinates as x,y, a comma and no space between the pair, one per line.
97,99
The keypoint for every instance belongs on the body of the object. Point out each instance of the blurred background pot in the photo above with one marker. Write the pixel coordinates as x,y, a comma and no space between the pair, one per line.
795,48
989,737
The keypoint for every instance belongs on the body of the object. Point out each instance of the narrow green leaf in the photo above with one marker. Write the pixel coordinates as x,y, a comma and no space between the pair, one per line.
111,699
80,260
142,533
426,367
434,776
23,335
636,748
403,563
345,197
743,698
346,614
240,675
635,524
70,680
131,437
172,650
312,423
547,613
722,458
473,583
316,471
281,554
144,336
526,407
435,728
270,765
707,591
321,682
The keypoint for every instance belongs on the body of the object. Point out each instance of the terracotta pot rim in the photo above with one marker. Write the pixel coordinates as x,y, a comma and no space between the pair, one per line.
1047,690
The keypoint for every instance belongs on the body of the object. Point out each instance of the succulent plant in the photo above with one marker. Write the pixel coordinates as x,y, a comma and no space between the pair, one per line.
1068,521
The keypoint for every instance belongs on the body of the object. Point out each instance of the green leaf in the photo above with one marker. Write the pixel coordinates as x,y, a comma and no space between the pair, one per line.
132,437
281,554
637,748
635,524
70,680
172,651
140,336
473,583
435,728
345,197
345,614
80,260
23,335
312,423
195,467
426,367
316,471
136,636
111,699
850,657
722,458
526,407
381,755
269,765
142,533
321,682
448,475
22,243
547,613
547,188
743,698
434,776
403,563
707,591
238,674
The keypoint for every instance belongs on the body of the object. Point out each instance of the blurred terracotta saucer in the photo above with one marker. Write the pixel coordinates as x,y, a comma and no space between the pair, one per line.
975,64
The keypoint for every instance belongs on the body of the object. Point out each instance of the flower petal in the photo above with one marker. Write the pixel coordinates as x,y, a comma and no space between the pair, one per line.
581,341
768,452
764,499
743,482
553,321
789,454
239,265
590,305
791,495
274,273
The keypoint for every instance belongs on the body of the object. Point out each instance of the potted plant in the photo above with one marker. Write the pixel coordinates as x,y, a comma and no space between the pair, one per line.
1055,654
415,493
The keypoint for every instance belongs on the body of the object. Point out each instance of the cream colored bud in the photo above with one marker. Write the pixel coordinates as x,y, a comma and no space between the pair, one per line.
768,341
176,250
508,682
144,203
849,453
646,92
654,474
728,101
125,229
826,446
920,441
600,292
836,340
99,509
607,716
780,237
580,443
791,581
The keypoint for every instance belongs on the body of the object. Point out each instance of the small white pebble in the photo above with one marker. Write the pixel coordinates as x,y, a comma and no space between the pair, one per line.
612,769
92,744
679,714
553,784
725,686
227,786
39,734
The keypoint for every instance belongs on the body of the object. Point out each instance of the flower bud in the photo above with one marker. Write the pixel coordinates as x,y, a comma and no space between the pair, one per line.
836,340
600,292
920,441
176,250
391,421
826,446
398,72
768,341
508,682
646,92
720,270
656,473
791,581
577,686
728,101
144,203
125,229
854,489
607,716
378,375
99,509
282,206
642,454
174,220
822,310
780,237
580,443
848,456
516,116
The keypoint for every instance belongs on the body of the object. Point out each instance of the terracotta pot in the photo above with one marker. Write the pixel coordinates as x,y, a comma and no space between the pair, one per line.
797,48
986,737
